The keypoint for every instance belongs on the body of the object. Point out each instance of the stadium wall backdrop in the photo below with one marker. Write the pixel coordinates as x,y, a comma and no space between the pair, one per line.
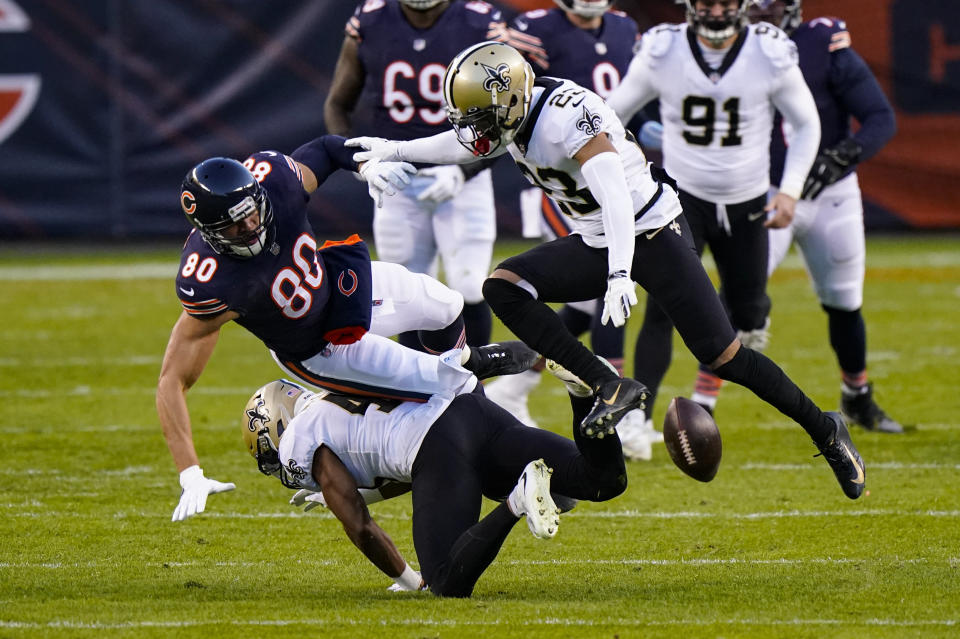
101,113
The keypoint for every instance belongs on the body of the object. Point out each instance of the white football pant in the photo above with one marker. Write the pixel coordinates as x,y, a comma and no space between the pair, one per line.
829,232
461,231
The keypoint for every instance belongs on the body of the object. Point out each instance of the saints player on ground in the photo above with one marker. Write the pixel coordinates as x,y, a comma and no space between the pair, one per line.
629,228
719,82
393,57
450,451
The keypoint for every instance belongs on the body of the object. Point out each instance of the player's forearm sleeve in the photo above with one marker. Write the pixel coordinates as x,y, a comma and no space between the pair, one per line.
442,148
605,177
324,155
794,100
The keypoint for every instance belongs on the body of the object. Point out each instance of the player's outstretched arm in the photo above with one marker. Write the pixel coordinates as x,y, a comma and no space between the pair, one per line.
191,343
345,502
442,148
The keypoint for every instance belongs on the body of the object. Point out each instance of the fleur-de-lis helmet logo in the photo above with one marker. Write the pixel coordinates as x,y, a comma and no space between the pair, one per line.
257,416
497,78
589,122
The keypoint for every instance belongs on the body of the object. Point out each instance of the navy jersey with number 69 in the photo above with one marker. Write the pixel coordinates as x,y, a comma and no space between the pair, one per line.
405,66
280,294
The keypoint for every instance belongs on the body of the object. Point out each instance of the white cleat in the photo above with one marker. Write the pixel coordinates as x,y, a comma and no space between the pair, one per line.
531,497
511,393
654,435
634,436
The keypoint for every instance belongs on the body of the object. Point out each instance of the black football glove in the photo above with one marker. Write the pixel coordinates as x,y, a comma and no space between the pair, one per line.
831,165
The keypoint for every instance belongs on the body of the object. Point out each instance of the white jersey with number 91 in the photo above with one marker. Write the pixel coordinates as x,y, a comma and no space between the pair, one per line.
717,107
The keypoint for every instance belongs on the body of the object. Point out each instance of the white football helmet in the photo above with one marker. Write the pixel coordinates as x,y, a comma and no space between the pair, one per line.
715,30
585,8
265,417
487,90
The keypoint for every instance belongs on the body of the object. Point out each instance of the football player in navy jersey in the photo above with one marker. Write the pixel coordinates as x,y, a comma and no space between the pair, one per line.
323,311
583,41
630,229
828,225
393,56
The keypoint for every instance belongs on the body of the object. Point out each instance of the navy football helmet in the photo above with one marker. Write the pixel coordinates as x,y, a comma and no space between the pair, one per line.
786,14
216,196
585,8
715,29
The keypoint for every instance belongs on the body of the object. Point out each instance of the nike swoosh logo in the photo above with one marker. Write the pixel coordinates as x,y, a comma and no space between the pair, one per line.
653,234
859,478
753,217
187,291
609,402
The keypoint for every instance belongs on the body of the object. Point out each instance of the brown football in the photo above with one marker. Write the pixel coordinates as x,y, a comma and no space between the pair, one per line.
692,439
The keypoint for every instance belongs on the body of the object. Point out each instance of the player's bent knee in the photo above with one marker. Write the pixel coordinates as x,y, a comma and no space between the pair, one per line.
441,303
842,300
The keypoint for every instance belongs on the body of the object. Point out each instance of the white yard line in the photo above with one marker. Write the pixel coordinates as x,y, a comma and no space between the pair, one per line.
79,272
511,621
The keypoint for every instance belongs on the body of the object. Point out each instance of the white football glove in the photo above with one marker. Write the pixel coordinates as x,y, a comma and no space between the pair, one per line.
651,135
196,487
309,499
385,177
447,182
374,149
620,296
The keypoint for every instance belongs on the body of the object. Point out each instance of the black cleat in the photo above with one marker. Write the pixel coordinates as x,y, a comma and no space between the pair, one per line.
860,409
614,399
504,358
564,503
843,458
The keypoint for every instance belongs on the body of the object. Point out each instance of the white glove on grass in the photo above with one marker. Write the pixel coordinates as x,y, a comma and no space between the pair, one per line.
196,487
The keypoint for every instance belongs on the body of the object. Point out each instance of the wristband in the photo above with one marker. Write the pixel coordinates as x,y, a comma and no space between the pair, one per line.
408,579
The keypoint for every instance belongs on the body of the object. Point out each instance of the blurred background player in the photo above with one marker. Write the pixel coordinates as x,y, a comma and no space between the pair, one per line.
720,82
583,41
450,451
394,55
828,225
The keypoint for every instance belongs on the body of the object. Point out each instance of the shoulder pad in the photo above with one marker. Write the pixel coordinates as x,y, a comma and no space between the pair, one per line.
776,45
371,5
658,40
479,6
830,33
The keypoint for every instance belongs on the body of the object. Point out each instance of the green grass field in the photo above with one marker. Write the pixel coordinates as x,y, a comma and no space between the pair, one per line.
770,548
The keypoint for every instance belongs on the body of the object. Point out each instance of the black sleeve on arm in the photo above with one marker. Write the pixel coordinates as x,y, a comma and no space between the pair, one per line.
471,170
858,90
324,155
